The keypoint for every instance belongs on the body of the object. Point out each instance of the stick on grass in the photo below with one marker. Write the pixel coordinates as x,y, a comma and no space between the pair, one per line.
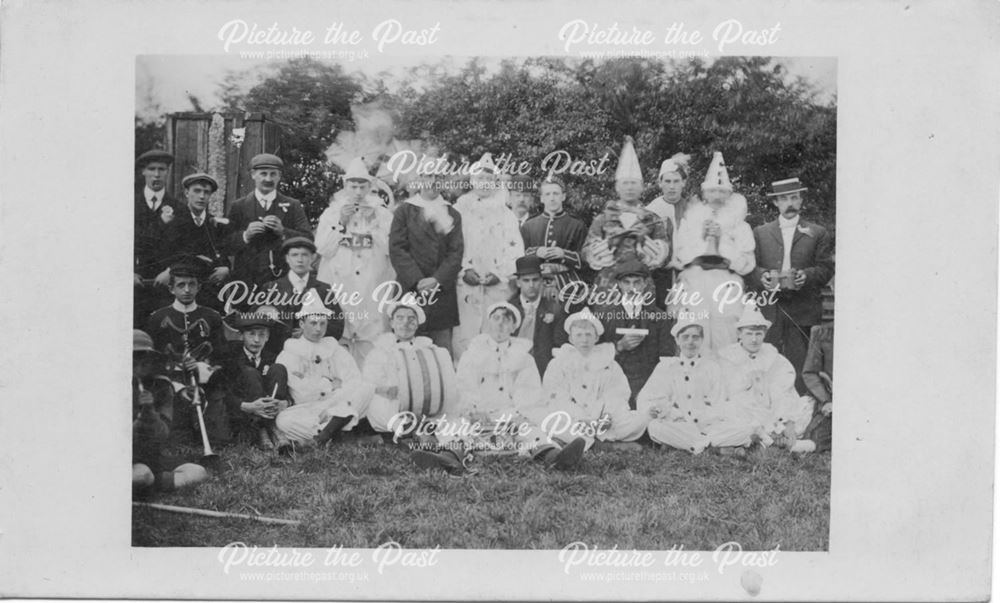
218,514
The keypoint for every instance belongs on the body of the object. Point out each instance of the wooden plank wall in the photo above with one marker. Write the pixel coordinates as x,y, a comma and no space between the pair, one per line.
187,140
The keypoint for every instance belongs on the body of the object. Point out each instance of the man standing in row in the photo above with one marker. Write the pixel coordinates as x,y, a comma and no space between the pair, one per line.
794,257
261,221
154,209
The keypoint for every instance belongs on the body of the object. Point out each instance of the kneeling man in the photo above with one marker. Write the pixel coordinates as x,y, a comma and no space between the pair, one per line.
327,391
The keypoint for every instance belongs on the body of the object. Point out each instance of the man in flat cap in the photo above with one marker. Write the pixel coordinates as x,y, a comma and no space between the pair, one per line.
796,258
257,387
260,222
638,328
292,291
195,236
154,209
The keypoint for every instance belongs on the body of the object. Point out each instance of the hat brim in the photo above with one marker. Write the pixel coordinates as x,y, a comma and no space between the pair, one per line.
794,190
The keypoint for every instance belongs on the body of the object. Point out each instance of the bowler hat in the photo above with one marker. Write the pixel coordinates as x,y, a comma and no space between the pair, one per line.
529,264
266,160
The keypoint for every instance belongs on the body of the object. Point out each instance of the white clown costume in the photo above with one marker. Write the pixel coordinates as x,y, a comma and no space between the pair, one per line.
493,243
385,367
762,385
313,368
354,255
701,273
587,388
689,399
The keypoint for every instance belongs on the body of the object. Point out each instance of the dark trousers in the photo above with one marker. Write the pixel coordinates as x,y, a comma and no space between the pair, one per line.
792,341
249,386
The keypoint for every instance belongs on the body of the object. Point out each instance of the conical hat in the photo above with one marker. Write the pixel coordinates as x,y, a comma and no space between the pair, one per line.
357,170
752,317
486,163
313,305
586,315
628,163
717,175
687,320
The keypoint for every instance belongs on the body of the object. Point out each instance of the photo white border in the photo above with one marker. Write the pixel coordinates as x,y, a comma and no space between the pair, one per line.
917,213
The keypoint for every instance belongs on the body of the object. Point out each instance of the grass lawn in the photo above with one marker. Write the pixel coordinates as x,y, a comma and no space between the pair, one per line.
363,496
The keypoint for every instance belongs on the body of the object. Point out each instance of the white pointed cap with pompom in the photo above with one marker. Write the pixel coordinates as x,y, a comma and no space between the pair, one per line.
357,170
752,317
717,175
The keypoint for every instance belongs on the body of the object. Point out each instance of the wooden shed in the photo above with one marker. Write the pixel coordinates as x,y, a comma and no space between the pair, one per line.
221,145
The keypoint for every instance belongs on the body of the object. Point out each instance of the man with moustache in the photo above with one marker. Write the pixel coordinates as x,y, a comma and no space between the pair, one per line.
260,222
194,236
154,210
794,257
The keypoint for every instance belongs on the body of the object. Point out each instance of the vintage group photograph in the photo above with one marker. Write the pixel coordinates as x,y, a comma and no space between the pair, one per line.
484,303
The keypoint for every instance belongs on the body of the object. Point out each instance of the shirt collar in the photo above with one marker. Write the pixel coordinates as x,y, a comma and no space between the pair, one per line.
250,355
150,194
177,305
529,304
296,280
558,214
202,216
270,197
786,223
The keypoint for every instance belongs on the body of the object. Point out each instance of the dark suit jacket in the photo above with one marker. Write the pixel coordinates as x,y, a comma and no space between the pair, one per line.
184,239
417,251
819,359
148,235
812,252
548,335
252,261
638,364
283,288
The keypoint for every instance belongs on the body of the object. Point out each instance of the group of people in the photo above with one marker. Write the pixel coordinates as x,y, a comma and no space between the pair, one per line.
474,327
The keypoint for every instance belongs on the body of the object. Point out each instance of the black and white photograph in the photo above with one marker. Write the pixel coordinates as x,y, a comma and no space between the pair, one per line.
504,287
517,300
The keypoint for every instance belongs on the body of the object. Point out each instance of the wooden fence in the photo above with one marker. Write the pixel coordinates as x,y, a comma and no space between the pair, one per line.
196,148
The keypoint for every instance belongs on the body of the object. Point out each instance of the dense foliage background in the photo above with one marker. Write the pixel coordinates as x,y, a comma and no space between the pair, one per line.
767,125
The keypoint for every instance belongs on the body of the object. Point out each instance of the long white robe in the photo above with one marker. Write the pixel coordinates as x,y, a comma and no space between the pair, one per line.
714,286
312,367
693,414
492,245
586,388
382,369
762,388
357,260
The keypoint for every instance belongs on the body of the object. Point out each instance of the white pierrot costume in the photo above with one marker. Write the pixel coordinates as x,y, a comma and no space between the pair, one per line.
762,385
493,243
313,371
713,284
382,369
689,397
354,255
588,388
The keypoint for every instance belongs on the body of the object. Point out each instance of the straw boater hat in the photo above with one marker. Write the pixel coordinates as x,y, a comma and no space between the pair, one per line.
684,323
717,175
357,170
752,317
585,315
315,305
628,163
393,306
786,187
503,304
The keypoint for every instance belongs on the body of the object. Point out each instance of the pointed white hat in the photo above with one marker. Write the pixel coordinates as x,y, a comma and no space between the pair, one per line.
313,305
628,163
752,317
486,163
687,320
717,175
357,170
586,315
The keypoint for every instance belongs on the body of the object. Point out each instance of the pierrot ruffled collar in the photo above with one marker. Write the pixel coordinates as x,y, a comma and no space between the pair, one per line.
736,354
389,341
316,352
600,358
